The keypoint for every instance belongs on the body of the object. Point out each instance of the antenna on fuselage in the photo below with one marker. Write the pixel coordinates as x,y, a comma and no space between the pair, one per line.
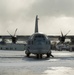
36,24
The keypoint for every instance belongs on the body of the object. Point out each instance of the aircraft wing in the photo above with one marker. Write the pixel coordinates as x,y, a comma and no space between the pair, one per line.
26,37
23,37
19,37
56,37
51,37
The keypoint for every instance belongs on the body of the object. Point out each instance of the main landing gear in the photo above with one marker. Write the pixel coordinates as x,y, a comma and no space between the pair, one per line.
27,53
40,55
49,54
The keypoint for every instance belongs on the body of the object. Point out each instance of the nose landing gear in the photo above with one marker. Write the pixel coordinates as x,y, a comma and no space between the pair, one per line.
39,56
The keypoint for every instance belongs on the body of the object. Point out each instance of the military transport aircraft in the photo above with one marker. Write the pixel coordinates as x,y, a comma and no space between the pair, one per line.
38,43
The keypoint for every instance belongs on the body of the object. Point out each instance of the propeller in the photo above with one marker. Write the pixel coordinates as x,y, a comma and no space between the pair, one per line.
63,37
13,37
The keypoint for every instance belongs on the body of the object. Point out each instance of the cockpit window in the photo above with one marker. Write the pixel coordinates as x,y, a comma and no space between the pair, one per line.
39,36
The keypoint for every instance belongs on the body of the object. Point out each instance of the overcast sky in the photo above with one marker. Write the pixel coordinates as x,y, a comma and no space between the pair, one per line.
54,16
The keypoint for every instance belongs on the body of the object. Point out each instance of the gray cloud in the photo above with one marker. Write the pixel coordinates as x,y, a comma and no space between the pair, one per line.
13,15
53,8
21,14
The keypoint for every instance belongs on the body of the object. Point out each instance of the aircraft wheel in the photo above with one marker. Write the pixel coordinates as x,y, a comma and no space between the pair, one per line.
48,55
28,54
38,56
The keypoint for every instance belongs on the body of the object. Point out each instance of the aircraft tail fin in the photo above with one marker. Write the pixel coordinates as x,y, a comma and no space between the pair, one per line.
36,24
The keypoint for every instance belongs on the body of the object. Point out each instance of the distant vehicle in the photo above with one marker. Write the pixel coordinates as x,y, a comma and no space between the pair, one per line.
38,43
61,47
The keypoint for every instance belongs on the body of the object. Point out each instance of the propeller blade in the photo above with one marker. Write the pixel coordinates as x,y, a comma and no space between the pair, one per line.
67,32
9,33
61,33
15,32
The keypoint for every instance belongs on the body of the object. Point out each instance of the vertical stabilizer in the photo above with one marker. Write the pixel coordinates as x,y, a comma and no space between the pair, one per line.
36,24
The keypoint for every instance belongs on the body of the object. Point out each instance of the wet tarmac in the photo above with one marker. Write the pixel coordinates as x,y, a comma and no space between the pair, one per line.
16,63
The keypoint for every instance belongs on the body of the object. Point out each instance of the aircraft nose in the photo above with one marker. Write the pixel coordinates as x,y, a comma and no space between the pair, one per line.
40,43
